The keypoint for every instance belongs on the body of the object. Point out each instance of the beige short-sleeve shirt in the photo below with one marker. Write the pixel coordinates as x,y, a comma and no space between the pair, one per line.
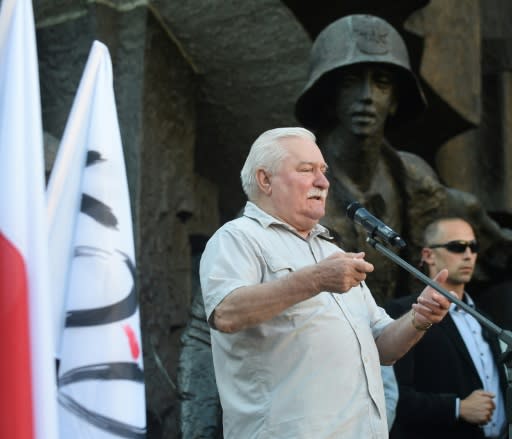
312,371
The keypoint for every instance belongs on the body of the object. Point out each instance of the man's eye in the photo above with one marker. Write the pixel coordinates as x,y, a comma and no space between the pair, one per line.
384,79
348,80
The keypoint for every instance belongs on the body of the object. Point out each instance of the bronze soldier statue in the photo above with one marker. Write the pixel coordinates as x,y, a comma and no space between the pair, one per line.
360,86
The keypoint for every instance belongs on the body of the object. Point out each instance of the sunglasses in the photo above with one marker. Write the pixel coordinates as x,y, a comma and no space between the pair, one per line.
458,246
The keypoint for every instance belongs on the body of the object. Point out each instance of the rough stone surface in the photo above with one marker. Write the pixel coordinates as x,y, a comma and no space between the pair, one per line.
483,154
251,60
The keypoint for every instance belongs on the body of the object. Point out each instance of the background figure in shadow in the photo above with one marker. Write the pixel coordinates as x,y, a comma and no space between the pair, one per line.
200,410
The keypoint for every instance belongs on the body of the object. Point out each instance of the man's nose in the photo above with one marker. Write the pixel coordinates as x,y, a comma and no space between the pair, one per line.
467,252
321,180
366,87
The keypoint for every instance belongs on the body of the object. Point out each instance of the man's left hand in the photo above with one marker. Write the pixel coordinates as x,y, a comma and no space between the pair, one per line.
432,306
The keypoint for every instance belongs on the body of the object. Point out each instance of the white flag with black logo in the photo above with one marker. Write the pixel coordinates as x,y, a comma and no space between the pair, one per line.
101,387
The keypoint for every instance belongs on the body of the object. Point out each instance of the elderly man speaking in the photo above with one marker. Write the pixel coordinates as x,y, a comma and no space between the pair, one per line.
297,337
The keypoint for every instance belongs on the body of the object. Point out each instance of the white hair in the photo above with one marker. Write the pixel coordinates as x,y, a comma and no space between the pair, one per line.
267,153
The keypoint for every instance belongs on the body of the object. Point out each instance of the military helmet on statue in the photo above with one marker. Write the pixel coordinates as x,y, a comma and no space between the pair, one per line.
357,39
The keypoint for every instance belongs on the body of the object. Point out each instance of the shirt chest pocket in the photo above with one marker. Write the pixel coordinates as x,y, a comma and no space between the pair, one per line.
276,266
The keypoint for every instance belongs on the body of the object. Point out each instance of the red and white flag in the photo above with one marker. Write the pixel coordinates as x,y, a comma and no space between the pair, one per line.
28,402
101,387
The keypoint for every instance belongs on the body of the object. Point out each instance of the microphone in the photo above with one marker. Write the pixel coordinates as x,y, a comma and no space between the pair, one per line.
375,227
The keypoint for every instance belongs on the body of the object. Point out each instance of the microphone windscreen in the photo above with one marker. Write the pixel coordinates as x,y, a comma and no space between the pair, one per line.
352,208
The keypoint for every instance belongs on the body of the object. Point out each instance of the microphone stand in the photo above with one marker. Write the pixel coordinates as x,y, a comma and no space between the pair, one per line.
504,335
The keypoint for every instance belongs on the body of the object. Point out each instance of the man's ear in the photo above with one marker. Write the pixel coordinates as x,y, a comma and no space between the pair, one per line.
426,256
264,180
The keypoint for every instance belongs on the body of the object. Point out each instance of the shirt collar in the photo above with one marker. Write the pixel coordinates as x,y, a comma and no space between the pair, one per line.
466,298
253,211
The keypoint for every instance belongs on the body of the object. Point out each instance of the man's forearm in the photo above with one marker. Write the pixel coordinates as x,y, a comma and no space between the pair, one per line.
251,305
401,335
397,338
